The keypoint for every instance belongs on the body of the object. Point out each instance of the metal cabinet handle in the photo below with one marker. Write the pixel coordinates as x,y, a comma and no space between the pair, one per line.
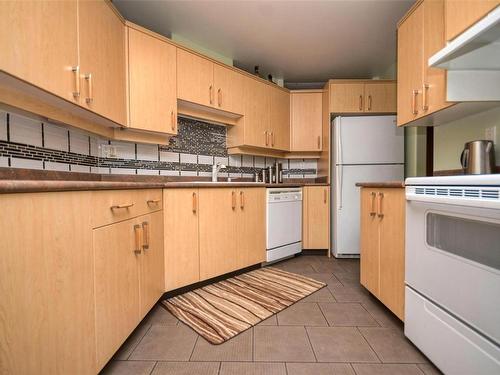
172,120
122,206
210,93
425,92
76,72
319,142
324,195
361,102
414,102
379,208
272,139
267,138
145,234
90,97
372,205
242,200
194,203
219,97
233,200
369,102
138,238
153,201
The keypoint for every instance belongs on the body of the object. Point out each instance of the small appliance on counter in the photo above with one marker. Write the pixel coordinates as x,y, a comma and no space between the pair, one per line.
478,157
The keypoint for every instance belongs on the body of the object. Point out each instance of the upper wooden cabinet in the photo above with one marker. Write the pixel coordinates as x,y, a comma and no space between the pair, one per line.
39,40
204,82
383,245
421,89
257,120
358,96
461,14
316,217
306,120
101,38
152,83
280,119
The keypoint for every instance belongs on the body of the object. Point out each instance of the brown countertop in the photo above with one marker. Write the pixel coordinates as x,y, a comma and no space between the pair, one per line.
384,184
25,181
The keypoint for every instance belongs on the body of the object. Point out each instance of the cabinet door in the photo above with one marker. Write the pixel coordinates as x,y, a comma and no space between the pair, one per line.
152,263
347,97
195,76
228,86
152,83
102,60
251,232
318,217
380,97
39,41
280,119
117,287
257,114
182,256
46,284
306,122
392,249
434,80
369,241
218,228
461,14
410,66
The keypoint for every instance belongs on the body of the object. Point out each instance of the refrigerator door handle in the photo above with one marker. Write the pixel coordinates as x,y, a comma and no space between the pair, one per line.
339,186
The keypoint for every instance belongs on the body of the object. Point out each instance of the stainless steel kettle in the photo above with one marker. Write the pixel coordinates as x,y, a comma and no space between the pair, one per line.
478,157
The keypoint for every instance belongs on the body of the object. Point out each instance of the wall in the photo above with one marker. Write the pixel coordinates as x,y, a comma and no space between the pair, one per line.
449,139
415,152
30,143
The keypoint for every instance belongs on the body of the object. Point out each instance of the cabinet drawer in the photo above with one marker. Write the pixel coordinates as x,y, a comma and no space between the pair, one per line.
117,205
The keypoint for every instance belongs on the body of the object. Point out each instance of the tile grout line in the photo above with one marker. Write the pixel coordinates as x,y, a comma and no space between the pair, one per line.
154,367
366,340
138,342
324,316
194,346
369,313
310,344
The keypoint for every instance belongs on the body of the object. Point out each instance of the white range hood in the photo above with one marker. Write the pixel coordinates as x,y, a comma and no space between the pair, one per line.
473,62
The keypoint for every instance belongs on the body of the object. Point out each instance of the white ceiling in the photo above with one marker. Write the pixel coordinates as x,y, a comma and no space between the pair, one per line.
300,41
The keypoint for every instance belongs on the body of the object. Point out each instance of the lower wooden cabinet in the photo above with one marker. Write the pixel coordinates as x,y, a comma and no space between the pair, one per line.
229,218
129,279
383,245
316,217
46,284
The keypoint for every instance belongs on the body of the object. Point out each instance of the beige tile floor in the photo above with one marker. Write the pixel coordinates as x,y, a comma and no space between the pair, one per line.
339,330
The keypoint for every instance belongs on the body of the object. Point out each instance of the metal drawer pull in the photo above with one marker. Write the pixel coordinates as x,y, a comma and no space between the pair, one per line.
369,102
372,211
267,138
145,230
324,196
233,200
194,203
153,201
361,102
210,93
272,139
319,142
219,96
172,120
76,71
242,200
90,97
425,90
138,238
414,102
380,214
120,206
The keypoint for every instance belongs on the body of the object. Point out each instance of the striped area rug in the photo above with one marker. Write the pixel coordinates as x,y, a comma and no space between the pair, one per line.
222,310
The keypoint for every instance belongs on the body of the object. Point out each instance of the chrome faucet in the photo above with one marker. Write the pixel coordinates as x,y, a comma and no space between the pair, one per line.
215,170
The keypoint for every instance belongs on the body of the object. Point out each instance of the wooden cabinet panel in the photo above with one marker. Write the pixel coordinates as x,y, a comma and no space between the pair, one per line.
306,121
152,265
251,226
380,97
279,119
46,284
347,97
370,241
228,86
152,83
195,78
217,228
257,113
117,286
102,56
392,247
461,14
39,40
410,69
317,222
182,256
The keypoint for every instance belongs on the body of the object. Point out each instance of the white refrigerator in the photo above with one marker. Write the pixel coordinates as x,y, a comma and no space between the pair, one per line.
364,149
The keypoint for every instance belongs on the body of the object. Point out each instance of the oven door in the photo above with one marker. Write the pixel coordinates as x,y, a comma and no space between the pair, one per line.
453,259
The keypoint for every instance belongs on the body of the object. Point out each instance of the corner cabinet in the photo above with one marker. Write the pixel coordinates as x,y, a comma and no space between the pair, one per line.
152,83
362,96
383,245
421,89
316,217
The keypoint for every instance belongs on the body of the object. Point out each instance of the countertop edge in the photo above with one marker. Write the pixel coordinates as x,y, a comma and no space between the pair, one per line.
382,184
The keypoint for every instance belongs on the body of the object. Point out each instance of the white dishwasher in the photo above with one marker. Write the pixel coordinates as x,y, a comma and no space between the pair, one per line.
283,222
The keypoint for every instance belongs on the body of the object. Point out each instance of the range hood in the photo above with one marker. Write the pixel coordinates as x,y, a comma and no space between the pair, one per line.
473,62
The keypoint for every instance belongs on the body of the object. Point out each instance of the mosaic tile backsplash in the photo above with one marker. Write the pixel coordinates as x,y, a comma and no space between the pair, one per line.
29,143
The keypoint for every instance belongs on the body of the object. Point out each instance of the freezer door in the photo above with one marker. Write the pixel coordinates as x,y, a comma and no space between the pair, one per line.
346,207
368,140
